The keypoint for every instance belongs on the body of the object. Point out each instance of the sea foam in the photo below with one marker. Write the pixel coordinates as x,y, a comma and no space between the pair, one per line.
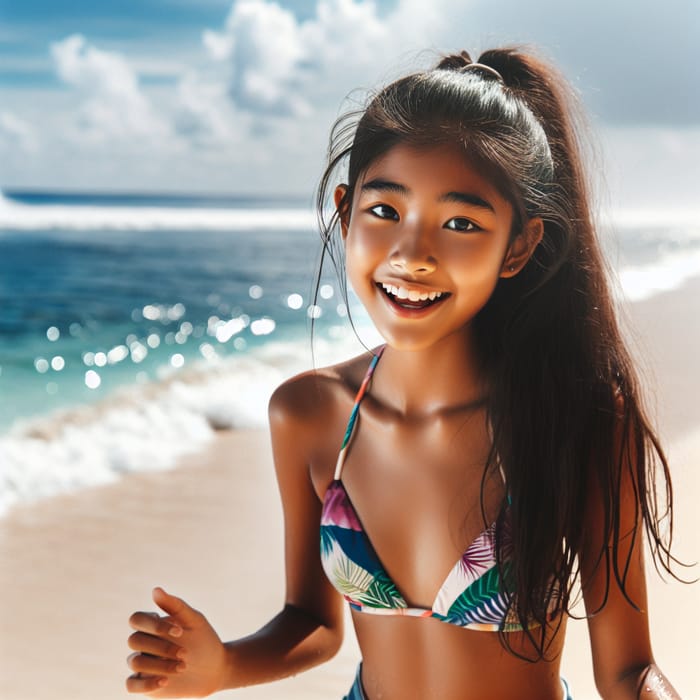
139,428
151,427
18,216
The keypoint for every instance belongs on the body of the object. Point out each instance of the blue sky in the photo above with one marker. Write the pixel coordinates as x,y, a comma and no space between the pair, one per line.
237,96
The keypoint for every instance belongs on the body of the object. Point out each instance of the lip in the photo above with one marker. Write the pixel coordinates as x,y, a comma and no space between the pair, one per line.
408,312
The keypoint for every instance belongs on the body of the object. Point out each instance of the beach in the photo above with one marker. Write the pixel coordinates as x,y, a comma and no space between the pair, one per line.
210,530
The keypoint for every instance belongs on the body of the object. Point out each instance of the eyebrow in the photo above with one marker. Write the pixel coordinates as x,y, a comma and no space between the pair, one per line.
380,185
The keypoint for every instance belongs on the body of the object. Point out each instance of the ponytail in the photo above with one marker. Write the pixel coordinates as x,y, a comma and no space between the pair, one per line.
568,420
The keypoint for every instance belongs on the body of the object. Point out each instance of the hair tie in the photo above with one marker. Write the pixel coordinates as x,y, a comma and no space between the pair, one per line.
484,69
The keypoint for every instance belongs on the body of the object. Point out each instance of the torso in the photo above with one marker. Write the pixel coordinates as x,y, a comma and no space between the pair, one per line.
415,483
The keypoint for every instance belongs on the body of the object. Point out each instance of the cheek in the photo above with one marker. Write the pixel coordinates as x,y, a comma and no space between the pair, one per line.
360,280
359,242
477,262
476,275
362,254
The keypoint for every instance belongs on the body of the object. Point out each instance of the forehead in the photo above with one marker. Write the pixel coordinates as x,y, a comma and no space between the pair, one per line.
440,169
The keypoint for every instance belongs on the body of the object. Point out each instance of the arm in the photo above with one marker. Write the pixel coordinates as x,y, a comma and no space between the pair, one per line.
623,661
310,628
180,654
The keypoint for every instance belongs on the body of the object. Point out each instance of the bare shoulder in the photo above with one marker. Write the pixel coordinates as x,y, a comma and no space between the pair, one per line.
319,399
308,415
315,395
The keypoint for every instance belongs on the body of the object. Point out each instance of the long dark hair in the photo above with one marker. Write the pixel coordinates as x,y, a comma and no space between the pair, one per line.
564,402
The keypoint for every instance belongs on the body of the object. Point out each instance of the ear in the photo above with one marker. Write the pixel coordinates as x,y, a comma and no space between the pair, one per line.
522,247
343,208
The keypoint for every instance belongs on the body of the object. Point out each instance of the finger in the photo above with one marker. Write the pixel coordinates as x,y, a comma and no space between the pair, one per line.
148,644
154,624
154,665
176,607
138,683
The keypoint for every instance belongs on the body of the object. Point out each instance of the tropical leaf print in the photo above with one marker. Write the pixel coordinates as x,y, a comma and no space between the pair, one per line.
338,510
327,541
479,557
475,562
366,585
382,593
348,577
481,602
355,545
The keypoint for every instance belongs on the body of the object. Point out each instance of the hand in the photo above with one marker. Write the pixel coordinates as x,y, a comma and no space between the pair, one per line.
176,655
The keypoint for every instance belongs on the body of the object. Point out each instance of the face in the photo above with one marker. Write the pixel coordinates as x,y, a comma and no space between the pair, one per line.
426,241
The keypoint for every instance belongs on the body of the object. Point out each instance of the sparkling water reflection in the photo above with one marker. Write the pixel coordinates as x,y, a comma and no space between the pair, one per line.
87,311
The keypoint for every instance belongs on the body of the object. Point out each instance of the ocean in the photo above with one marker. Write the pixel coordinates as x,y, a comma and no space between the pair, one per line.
134,326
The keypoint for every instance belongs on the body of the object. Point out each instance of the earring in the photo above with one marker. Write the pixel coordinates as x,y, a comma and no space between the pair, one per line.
511,268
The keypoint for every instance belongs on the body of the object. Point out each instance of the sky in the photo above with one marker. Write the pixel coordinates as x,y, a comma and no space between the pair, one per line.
237,96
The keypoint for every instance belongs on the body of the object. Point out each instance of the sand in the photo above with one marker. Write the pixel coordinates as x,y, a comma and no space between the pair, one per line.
74,567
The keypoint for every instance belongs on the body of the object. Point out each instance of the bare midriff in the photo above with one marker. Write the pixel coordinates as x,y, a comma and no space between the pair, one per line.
417,658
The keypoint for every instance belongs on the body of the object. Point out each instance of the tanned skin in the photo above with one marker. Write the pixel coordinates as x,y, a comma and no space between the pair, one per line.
413,473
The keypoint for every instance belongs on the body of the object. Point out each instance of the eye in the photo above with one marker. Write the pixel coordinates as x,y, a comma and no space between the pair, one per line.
384,211
461,225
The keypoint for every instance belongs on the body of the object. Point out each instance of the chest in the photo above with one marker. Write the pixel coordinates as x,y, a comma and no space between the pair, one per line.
416,487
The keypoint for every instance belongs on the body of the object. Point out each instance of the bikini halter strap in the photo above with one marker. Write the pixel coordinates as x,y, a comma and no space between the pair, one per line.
349,431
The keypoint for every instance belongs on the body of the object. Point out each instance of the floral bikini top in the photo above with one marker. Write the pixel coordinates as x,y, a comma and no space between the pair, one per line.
472,595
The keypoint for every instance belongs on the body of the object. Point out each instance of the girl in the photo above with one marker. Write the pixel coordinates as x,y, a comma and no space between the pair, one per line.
496,453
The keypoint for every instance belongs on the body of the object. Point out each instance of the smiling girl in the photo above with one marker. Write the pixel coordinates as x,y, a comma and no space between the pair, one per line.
458,485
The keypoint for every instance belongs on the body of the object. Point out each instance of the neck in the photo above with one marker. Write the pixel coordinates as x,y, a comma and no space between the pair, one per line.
440,378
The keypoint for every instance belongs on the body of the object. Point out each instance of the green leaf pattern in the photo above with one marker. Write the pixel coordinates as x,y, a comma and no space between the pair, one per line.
483,601
356,583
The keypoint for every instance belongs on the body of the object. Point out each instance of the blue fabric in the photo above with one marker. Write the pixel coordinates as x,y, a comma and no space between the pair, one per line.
356,692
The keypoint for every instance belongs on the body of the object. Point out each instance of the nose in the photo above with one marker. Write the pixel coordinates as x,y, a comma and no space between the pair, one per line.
411,257
412,267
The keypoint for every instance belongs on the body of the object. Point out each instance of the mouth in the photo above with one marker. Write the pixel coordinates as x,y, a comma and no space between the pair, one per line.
411,299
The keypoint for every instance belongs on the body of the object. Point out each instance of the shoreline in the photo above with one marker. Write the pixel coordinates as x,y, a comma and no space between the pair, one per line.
78,564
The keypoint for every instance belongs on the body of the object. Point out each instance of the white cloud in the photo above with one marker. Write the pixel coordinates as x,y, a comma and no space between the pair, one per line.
218,46
114,105
346,33
276,65
204,116
262,94
262,42
14,130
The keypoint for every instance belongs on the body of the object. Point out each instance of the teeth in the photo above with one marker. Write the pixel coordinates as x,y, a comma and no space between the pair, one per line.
411,295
